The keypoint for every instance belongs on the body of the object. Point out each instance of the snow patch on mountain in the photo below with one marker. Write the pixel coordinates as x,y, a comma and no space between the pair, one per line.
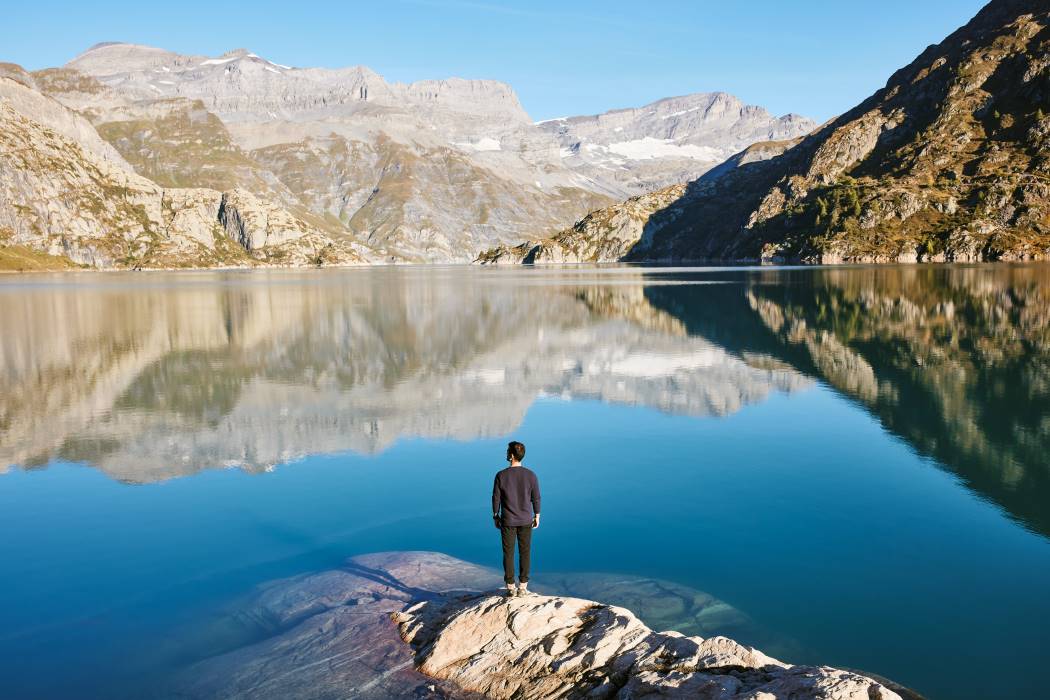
648,147
483,144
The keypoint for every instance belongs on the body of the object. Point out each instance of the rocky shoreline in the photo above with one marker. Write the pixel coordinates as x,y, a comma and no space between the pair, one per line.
560,647
423,624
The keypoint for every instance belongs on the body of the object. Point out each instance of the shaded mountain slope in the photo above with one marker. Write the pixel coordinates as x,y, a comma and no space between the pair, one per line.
947,162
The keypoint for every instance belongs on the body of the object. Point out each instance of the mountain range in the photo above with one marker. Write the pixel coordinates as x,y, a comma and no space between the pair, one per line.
133,156
950,161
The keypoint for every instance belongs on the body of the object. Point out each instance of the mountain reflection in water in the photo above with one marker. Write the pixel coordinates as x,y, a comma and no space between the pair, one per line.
819,509
188,372
955,360
157,381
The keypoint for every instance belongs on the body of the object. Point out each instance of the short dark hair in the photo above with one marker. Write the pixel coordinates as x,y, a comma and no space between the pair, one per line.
516,450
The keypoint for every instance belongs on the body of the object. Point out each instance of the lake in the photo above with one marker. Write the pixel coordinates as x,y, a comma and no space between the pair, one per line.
856,460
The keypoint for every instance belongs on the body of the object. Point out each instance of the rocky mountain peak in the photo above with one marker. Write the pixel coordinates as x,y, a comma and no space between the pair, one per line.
113,57
694,131
946,162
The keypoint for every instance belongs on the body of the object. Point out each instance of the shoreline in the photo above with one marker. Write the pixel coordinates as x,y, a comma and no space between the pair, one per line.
743,263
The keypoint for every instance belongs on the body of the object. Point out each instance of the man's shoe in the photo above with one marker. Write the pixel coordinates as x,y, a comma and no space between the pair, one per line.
511,590
523,590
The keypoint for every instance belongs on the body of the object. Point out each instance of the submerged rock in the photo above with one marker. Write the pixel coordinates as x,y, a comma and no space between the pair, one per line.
331,635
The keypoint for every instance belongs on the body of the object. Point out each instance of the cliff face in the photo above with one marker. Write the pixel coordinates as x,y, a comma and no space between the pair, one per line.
66,192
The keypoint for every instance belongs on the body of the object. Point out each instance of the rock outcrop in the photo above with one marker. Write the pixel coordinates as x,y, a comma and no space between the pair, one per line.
330,634
604,235
559,647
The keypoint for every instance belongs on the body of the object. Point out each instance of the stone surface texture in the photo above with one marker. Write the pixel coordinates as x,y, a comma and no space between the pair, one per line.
559,647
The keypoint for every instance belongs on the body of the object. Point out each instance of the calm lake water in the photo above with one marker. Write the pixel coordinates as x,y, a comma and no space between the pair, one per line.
858,460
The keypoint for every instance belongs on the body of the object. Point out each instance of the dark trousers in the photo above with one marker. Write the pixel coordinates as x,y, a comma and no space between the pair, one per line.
523,534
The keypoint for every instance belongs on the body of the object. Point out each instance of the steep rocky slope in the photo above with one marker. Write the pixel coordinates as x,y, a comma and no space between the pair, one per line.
949,161
66,192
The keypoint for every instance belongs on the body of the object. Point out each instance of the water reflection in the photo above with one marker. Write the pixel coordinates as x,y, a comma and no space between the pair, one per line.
149,381
955,360
152,381
800,512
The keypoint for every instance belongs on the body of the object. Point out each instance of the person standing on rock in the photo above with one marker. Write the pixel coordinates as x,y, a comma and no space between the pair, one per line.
516,512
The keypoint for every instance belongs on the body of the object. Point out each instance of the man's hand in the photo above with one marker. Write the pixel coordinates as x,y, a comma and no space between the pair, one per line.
495,521
535,521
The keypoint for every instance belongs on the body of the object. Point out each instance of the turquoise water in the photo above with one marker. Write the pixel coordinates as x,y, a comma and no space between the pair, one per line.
853,458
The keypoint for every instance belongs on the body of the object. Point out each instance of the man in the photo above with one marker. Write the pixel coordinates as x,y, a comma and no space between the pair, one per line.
516,512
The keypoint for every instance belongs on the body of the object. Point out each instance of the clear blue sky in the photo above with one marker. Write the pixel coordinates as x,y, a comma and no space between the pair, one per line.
816,58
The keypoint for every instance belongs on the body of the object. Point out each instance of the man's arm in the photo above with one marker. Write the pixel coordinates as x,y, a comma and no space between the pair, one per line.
535,501
495,499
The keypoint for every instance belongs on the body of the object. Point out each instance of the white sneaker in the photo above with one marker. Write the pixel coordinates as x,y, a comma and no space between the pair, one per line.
511,590
523,589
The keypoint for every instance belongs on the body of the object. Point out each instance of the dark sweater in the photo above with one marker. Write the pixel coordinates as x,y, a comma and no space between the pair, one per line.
516,496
